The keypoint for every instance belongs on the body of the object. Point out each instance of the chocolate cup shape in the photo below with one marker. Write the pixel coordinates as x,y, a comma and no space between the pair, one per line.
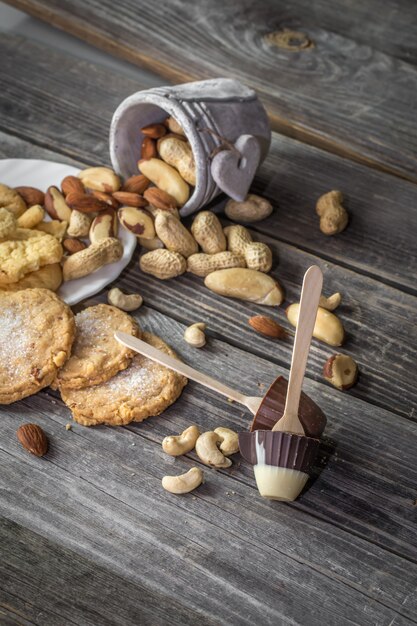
279,449
272,409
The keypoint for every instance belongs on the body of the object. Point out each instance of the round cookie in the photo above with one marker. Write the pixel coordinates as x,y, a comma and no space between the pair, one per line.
96,356
36,333
142,390
47,277
12,201
8,223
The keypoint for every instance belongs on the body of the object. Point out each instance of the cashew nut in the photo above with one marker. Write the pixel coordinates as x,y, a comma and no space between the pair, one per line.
333,216
175,445
332,302
328,327
207,450
123,301
194,335
229,440
184,483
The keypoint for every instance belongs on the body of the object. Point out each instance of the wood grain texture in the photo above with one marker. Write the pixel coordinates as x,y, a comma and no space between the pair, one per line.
338,93
358,515
379,320
379,240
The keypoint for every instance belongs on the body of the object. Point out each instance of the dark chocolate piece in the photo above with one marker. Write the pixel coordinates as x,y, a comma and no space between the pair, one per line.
272,408
281,449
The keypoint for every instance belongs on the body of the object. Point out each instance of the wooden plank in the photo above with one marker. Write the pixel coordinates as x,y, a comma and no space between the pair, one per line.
84,592
359,515
193,547
378,319
379,240
337,93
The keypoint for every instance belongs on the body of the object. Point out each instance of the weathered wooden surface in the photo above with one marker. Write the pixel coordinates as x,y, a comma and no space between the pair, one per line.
359,513
87,534
380,240
346,94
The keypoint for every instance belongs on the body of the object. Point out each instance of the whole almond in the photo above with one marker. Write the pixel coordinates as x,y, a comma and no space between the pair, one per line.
31,195
56,205
136,184
129,198
85,203
73,245
105,197
33,439
154,131
160,199
71,184
267,326
148,150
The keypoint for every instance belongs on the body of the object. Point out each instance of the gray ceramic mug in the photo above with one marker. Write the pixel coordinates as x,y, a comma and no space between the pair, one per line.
213,114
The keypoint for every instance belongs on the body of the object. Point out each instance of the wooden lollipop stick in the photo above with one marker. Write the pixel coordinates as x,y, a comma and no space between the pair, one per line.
252,403
310,295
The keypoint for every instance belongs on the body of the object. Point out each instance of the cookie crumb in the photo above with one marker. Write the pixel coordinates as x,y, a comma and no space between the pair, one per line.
68,426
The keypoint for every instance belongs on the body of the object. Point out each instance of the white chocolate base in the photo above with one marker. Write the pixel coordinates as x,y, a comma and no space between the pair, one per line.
279,483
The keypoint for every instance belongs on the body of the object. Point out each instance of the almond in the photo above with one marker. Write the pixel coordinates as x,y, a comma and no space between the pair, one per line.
136,184
105,197
56,205
154,131
33,439
160,199
31,195
71,184
73,245
267,326
85,203
129,198
148,150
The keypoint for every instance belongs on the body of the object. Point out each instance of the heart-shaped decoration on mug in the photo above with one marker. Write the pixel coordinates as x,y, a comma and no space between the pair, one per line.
233,169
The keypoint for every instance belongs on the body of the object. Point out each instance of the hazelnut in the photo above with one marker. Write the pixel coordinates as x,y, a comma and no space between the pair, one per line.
341,371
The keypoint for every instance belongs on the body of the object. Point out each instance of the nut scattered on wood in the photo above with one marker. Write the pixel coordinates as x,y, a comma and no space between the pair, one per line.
73,245
328,327
31,195
184,483
208,452
229,440
253,209
194,335
341,371
176,445
204,264
124,301
333,216
208,232
267,326
246,284
163,264
238,237
174,234
258,256
33,439
332,302
151,244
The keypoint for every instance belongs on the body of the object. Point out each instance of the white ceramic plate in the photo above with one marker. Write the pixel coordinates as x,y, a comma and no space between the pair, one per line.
43,174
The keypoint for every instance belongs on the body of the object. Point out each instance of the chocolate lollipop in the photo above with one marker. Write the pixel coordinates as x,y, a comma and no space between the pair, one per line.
284,456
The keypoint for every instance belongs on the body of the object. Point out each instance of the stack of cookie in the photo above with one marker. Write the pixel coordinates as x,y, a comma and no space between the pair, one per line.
102,382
